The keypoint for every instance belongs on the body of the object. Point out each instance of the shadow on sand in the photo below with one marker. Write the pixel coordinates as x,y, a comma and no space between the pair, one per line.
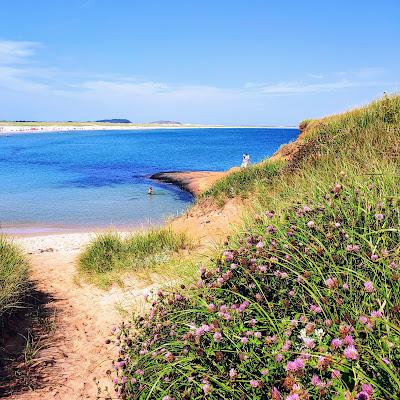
24,336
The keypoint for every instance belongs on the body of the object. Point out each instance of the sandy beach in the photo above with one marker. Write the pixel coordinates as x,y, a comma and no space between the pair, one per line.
15,129
9,128
59,242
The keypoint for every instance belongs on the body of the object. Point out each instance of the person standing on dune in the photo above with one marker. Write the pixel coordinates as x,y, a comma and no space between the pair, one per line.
245,160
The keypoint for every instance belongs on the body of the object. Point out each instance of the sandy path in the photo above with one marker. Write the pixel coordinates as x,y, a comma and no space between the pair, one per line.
84,316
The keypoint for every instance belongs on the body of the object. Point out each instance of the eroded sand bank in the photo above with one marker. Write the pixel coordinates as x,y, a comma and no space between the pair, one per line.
195,182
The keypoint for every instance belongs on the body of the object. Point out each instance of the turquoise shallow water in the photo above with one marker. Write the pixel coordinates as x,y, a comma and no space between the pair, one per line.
99,178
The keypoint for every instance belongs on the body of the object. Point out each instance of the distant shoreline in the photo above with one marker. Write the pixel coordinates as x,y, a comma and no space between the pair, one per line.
12,129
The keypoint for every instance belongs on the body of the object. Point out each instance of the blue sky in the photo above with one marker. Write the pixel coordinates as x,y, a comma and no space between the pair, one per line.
209,61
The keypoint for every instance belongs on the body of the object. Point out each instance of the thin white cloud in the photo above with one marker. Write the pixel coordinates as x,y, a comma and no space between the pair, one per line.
304,87
371,72
17,72
147,91
318,83
19,80
123,86
316,76
127,86
88,3
12,52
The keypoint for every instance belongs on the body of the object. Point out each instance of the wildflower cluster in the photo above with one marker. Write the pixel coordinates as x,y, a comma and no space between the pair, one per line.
305,306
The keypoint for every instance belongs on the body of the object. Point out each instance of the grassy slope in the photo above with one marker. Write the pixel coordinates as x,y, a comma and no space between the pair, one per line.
242,182
296,273
359,141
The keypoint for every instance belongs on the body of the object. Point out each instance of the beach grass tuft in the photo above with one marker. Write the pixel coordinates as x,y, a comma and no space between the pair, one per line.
111,254
13,276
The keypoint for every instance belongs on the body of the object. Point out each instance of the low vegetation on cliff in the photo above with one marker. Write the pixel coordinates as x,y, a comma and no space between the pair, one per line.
359,141
304,303
244,181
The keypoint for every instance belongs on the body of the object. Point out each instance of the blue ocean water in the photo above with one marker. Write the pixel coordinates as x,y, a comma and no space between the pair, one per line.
99,178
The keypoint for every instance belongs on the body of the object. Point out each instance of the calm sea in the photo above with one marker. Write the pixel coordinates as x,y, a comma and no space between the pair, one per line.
99,178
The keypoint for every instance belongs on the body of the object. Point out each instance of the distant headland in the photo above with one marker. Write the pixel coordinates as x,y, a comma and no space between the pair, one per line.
115,121
127,121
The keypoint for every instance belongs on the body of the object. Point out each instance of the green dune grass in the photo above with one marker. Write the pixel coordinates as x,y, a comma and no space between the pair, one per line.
241,183
360,141
110,255
13,276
